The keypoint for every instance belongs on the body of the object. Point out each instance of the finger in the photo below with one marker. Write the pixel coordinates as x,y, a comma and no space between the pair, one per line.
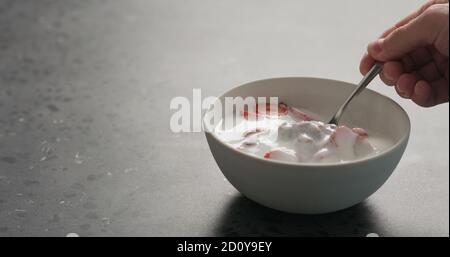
422,94
422,9
440,60
366,63
406,83
408,63
430,72
418,33
421,56
386,81
391,72
412,16
440,89
402,94
388,31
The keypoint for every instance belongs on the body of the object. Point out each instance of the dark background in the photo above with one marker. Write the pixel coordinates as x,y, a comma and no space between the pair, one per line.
85,144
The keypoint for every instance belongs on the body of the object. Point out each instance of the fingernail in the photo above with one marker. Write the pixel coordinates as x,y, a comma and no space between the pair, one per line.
376,46
402,92
388,76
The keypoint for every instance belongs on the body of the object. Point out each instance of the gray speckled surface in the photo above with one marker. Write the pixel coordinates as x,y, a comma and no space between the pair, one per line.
85,145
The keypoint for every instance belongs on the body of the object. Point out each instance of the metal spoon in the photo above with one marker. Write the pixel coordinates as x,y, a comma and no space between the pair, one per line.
361,86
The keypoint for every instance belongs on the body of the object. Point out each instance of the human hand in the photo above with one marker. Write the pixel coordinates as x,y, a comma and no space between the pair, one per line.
415,54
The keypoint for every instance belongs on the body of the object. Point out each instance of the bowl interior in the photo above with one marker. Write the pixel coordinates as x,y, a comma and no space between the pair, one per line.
376,113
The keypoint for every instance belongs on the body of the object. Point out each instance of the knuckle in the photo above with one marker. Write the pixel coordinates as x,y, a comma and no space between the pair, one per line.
436,14
432,21
395,36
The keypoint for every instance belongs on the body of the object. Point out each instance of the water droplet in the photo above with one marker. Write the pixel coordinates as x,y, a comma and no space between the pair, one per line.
72,235
78,158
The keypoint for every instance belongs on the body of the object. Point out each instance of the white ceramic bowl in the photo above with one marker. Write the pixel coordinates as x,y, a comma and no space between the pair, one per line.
316,188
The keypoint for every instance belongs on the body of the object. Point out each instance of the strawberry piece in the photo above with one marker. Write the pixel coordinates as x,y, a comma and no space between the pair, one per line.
339,130
266,109
333,139
252,132
281,155
247,114
362,134
272,110
282,107
299,114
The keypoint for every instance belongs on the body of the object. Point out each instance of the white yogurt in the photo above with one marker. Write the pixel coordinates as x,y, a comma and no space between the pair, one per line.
294,136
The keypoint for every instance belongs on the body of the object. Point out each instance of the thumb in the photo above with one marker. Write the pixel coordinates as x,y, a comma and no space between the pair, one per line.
419,32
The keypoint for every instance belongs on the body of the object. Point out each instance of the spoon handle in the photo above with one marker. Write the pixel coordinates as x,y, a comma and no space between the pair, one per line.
373,72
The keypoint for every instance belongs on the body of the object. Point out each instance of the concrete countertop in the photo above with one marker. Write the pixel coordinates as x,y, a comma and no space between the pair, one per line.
85,144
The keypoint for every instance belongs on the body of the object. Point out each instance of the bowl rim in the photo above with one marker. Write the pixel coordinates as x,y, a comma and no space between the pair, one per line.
387,151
